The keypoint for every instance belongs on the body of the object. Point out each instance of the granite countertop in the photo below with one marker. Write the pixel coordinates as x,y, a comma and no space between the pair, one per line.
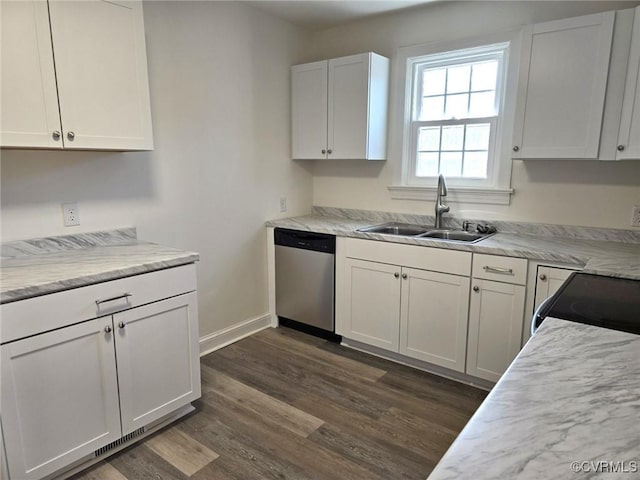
571,395
36,267
609,257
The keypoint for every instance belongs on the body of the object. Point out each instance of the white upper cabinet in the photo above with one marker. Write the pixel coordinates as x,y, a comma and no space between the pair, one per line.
309,110
339,108
29,113
629,136
562,87
101,66
98,48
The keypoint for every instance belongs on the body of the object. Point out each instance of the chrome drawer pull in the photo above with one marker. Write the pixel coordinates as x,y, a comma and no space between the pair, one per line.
502,271
111,299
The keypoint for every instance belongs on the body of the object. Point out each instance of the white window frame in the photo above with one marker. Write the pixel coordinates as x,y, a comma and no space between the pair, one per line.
496,188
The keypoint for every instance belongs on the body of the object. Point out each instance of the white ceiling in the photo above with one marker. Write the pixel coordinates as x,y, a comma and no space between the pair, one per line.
317,14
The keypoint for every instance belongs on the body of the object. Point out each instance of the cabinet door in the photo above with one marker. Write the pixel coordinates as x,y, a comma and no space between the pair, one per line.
29,113
101,68
59,397
372,303
562,87
548,282
158,359
309,110
348,107
629,136
495,327
433,319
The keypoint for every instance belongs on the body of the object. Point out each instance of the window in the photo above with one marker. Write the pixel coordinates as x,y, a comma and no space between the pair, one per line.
454,114
455,105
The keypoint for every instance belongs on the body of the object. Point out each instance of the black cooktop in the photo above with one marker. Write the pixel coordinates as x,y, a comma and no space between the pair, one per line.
598,300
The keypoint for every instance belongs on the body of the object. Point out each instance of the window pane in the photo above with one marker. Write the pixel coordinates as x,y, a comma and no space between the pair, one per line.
475,165
427,164
483,76
432,108
477,137
453,137
482,104
458,79
429,138
451,163
457,106
433,81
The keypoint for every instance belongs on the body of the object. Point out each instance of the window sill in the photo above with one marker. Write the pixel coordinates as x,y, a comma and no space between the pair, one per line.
489,196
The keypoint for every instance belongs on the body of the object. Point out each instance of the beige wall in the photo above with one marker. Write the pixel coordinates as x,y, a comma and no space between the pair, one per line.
220,95
219,75
578,193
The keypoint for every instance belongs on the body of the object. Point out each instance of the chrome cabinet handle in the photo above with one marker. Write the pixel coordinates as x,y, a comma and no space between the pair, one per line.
542,277
620,148
329,151
404,276
516,148
324,151
122,325
56,135
111,299
71,135
476,288
501,271
107,329
397,275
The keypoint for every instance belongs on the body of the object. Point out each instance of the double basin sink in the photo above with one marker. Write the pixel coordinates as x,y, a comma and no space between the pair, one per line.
422,231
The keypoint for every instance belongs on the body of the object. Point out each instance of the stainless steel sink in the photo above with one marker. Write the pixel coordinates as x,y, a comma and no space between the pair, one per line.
455,235
395,228
422,231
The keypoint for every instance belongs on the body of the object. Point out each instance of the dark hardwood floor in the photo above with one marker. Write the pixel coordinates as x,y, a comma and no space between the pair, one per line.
284,405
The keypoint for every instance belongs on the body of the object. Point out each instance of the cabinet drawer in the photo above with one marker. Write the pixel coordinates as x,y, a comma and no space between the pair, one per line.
500,269
40,314
414,256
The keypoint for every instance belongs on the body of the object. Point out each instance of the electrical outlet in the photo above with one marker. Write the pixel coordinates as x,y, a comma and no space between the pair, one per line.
70,214
283,204
635,216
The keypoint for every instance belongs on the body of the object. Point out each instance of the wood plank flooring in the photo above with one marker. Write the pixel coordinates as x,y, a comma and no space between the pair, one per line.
285,405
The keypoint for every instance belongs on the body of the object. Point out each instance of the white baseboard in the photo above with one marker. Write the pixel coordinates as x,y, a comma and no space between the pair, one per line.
229,335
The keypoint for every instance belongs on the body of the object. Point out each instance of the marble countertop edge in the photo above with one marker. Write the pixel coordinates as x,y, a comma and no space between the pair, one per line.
39,266
45,288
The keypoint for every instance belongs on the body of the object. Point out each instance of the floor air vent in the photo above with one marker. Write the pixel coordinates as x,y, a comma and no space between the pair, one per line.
119,442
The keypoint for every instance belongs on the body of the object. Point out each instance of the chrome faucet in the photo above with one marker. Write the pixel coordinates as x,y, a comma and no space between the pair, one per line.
441,207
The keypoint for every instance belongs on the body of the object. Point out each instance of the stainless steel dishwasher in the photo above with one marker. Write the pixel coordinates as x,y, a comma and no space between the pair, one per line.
305,278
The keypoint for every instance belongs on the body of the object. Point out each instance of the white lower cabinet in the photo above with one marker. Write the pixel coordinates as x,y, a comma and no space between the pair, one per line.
433,317
495,327
444,307
372,298
158,359
418,313
548,281
70,391
59,397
